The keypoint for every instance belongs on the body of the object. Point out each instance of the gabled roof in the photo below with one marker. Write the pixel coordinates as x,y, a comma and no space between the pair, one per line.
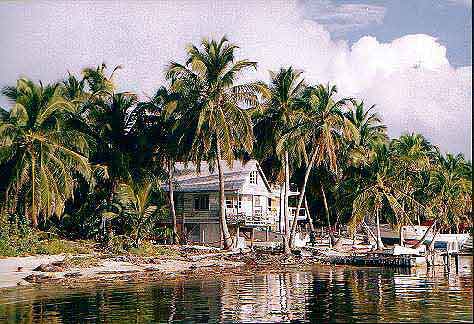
188,180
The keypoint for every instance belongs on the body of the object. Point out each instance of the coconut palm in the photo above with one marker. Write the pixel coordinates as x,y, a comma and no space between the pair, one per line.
137,207
362,132
383,188
412,155
450,187
282,106
319,128
363,129
215,116
44,154
163,139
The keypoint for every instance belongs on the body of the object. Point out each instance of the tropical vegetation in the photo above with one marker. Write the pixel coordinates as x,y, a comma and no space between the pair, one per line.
83,161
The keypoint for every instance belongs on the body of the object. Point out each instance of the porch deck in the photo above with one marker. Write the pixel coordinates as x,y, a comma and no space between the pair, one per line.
257,219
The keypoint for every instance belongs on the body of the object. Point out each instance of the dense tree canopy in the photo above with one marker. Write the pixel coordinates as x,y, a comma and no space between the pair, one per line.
79,157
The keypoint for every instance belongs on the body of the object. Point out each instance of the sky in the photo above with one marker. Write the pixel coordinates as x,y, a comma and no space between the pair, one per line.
412,59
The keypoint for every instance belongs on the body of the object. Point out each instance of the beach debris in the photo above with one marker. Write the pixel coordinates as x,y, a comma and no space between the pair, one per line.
39,278
56,266
23,282
73,275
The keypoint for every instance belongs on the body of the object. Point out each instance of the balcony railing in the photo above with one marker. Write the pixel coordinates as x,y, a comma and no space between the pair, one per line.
257,218
302,214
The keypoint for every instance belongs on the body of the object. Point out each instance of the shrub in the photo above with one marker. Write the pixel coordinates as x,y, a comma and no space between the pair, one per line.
16,236
58,246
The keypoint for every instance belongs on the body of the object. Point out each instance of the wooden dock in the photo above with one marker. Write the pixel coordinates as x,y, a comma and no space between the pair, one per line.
377,260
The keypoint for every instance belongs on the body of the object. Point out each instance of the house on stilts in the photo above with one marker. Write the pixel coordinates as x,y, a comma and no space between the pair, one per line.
254,207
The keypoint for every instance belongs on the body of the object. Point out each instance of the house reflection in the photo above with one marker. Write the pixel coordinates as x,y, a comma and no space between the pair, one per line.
318,294
267,297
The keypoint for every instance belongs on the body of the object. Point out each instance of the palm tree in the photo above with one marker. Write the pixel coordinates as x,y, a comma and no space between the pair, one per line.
383,188
362,132
45,155
412,155
207,82
137,207
450,188
111,124
282,106
164,140
363,129
319,129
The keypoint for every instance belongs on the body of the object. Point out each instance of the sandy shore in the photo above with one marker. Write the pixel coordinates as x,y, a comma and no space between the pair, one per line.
18,271
180,261
14,269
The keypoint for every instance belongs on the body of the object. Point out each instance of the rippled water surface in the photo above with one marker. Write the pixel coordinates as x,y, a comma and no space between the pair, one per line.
323,293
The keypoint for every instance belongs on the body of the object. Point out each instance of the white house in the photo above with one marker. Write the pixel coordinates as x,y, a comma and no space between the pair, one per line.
251,202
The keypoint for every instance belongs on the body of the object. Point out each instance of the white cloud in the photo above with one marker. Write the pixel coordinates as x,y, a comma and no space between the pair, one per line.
410,78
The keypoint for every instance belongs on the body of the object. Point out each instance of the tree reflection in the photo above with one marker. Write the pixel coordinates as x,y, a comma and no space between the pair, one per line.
323,293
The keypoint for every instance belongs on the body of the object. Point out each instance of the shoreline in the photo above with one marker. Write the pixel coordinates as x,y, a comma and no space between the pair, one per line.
193,262
67,269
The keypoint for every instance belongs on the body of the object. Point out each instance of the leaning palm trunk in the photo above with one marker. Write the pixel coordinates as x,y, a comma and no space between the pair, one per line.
172,207
425,235
286,243
310,220
300,199
222,218
379,237
326,209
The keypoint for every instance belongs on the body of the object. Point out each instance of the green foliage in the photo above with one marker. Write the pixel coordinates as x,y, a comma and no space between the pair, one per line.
17,238
58,246
84,161
44,154
138,212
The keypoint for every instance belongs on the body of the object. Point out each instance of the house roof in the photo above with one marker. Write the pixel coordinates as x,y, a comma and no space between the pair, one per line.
188,180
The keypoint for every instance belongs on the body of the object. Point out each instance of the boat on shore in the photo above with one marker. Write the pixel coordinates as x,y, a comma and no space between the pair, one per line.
412,234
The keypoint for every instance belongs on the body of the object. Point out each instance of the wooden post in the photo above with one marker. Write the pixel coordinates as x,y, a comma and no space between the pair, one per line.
237,206
456,261
237,234
251,237
266,233
252,211
310,220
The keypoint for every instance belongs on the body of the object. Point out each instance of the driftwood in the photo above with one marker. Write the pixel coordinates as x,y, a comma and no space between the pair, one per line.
212,255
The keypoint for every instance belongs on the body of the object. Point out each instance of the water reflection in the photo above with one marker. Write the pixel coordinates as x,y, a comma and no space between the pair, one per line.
323,293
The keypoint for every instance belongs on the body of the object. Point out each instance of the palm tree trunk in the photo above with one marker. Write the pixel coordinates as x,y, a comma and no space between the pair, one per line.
222,218
425,235
402,236
310,220
171,197
286,243
139,233
379,237
326,209
300,198
34,216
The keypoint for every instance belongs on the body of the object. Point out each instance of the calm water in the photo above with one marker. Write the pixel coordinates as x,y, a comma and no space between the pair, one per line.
323,293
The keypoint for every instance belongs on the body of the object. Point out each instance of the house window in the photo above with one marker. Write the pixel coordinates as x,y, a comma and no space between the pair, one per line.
257,201
269,202
233,202
253,177
178,201
201,202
